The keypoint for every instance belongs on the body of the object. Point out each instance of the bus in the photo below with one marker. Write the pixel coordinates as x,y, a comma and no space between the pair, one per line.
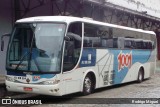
60,55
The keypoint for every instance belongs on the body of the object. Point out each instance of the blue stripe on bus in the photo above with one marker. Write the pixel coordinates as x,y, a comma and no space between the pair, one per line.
85,60
137,56
36,77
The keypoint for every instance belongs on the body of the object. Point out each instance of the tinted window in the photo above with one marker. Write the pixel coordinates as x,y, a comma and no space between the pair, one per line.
98,36
107,37
138,44
73,46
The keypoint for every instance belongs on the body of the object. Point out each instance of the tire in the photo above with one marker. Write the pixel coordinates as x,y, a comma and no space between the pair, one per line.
87,85
140,76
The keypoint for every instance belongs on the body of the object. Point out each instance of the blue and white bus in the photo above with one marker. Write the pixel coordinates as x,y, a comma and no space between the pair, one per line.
59,55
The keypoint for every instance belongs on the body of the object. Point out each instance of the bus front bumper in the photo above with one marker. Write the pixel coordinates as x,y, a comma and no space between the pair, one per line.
52,90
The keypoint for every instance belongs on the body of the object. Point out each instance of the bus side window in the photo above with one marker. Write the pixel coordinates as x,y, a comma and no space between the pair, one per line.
96,36
73,46
150,45
90,37
153,45
121,42
129,44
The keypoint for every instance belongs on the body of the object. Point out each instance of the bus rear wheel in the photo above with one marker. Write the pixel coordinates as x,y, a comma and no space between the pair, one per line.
140,76
87,85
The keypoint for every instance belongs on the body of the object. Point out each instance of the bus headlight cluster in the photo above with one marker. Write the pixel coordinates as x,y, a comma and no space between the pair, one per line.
51,82
10,79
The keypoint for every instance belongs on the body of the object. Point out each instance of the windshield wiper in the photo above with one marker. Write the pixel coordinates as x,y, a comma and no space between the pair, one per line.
27,53
30,56
22,59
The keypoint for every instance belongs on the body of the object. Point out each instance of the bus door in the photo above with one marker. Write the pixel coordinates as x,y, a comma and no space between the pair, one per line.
70,75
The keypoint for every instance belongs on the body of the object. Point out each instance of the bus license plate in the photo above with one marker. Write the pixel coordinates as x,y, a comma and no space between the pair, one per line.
27,89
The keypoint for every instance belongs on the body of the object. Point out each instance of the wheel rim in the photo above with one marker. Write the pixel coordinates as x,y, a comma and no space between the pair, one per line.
87,85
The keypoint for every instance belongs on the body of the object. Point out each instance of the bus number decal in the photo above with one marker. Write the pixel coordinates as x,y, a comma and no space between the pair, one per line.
124,60
36,78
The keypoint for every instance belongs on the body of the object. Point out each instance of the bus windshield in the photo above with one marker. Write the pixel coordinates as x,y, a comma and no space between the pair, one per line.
36,47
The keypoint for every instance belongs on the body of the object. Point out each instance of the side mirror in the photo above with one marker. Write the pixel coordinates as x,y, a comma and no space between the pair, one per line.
2,41
2,45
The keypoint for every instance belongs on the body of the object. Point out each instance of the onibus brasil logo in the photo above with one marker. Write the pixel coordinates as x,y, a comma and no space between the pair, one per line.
124,60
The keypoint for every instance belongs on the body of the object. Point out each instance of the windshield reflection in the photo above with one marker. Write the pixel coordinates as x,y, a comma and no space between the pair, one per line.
36,47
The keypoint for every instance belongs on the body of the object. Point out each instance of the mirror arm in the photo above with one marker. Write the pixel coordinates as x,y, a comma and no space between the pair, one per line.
67,38
2,41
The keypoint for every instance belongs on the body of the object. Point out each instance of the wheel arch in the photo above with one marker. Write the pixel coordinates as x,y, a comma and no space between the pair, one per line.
142,70
140,73
93,77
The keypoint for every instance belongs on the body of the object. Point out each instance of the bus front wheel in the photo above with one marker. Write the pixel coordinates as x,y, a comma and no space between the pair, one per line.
140,76
87,85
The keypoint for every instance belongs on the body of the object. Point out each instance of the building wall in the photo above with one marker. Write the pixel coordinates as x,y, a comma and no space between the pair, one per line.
58,7
151,6
5,27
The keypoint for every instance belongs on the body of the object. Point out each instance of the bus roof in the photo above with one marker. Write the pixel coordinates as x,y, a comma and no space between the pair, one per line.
69,19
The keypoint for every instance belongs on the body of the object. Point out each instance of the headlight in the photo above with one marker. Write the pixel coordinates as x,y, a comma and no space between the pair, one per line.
10,79
51,82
